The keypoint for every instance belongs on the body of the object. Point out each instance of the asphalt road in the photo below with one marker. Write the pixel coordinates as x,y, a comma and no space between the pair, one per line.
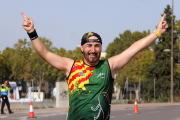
118,112
163,113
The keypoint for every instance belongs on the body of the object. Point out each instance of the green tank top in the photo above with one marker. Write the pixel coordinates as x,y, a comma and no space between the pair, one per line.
90,91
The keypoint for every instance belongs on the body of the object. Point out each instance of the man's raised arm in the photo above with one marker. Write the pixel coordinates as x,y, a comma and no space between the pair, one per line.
119,61
56,61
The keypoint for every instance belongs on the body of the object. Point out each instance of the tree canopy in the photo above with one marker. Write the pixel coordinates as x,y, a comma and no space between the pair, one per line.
160,69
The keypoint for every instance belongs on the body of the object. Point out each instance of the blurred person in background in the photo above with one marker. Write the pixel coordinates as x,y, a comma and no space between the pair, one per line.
4,96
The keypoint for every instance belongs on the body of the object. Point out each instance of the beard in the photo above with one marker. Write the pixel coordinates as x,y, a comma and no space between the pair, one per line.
91,57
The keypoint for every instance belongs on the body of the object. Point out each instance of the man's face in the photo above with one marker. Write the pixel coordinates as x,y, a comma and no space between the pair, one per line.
6,82
91,52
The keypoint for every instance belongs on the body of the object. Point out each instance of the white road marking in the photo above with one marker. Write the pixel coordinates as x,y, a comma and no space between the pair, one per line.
3,116
36,116
47,115
129,114
112,117
154,111
62,113
22,118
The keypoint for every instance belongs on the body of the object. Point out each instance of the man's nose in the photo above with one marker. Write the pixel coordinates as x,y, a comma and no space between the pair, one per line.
93,49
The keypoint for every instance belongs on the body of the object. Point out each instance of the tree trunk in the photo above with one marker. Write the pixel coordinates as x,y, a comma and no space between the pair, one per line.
39,88
130,95
118,93
121,95
137,94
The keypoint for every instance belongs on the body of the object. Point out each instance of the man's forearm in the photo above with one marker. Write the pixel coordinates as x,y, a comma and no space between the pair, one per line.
144,42
40,47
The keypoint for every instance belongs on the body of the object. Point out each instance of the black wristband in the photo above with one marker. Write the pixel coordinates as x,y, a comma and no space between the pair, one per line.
33,35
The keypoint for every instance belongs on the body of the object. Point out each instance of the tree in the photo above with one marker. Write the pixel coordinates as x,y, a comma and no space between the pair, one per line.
77,54
160,67
26,63
37,68
57,74
177,27
5,68
137,66
123,42
19,59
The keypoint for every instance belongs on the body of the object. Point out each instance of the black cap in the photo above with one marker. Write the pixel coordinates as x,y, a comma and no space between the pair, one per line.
89,34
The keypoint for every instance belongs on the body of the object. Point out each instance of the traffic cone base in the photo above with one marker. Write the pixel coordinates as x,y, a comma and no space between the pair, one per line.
31,113
135,107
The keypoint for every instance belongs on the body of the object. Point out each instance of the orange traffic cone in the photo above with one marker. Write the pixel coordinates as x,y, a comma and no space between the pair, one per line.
67,112
135,107
31,113
14,97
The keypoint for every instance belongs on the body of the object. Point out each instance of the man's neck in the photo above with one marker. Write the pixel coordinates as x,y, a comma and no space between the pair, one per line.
89,63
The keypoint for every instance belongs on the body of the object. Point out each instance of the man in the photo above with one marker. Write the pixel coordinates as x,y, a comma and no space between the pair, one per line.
4,93
90,80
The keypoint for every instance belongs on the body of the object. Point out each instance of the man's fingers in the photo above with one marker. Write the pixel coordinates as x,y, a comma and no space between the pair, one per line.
25,23
166,26
23,15
26,19
162,19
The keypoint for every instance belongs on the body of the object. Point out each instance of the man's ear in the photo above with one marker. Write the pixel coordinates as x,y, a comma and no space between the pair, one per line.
82,49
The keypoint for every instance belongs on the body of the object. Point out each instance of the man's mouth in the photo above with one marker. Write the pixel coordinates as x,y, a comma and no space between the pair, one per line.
92,55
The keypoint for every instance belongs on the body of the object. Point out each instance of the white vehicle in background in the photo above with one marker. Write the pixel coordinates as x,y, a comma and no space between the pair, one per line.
15,90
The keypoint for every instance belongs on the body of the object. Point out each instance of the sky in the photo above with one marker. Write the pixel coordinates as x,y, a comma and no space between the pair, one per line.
64,22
